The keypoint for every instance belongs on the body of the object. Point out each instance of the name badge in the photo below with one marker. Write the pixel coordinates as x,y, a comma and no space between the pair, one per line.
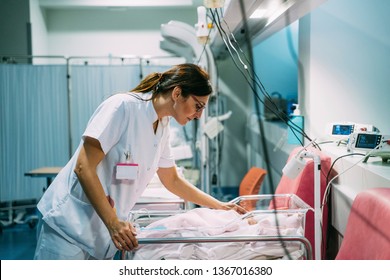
127,171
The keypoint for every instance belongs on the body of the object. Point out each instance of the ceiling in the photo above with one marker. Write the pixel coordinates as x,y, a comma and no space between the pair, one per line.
119,4
279,13
276,14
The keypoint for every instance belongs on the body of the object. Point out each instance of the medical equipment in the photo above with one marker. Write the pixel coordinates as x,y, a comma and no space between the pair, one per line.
180,38
374,144
214,125
214,3
344,129
274,230
291,170
201,27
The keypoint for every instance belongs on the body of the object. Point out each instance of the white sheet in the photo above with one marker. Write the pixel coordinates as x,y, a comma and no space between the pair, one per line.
201,222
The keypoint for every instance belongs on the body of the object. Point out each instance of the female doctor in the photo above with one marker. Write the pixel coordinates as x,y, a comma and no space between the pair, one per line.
125,143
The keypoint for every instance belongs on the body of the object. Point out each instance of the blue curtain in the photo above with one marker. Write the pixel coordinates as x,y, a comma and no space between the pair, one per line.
34,126
34,116
90,85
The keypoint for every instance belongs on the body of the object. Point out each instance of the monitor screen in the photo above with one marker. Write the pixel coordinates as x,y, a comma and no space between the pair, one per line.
339,129
368,141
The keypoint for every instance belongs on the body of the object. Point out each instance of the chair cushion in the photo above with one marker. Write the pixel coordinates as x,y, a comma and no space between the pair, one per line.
250,185
367,235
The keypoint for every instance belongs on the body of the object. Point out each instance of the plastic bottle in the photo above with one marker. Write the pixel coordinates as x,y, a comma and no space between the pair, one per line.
295,137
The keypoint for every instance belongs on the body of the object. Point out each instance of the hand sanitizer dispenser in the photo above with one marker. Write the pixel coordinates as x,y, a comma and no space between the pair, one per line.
294,136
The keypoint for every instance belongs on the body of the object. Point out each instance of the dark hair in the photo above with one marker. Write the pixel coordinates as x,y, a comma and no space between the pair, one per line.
192,80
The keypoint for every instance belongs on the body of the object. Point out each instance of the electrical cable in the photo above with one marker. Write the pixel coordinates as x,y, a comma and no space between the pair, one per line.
334,162
258,82
327,192
252,72
327,189
325,244
221,32
255,79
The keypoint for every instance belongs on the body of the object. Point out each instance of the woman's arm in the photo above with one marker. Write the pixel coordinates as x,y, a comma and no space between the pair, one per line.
91,154
184,189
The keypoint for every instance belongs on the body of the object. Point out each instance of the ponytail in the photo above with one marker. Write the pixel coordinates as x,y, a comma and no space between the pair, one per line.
189,77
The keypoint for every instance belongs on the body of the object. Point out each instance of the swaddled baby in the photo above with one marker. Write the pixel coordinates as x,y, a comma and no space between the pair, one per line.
209,221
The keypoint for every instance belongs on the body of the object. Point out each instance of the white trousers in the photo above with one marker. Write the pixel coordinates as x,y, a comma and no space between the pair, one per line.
52,246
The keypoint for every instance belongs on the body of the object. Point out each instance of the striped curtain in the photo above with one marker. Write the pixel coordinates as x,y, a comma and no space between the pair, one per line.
34,126
34,116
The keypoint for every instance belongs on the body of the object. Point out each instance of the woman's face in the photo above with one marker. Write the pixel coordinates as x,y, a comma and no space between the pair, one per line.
188,108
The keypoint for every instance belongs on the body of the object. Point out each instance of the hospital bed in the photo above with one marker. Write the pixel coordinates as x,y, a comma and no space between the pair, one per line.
273,228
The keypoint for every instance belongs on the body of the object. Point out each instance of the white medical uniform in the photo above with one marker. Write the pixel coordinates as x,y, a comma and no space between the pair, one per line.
122,124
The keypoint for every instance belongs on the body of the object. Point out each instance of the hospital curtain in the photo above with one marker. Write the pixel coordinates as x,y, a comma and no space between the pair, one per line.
35,113
90,85
150,68
34,126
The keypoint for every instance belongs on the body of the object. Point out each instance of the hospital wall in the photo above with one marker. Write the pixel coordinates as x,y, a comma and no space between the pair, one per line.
15,29
276,65
39,29
343,73
105,32
346,55
83,32
274,61
233,159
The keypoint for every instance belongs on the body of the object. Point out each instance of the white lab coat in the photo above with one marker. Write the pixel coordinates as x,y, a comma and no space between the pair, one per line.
122,124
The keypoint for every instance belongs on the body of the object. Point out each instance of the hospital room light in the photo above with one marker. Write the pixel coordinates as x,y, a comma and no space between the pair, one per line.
259,13
271,10
149,3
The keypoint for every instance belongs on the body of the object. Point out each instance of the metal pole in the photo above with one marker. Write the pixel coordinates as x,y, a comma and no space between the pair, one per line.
317,203
69,95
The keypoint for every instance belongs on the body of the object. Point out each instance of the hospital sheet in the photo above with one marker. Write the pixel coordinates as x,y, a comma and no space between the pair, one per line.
203,222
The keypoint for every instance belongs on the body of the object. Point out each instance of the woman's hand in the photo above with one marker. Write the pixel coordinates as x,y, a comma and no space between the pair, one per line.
233,206
123,234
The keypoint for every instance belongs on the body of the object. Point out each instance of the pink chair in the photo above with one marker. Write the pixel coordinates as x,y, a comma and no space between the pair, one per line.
303,187
367,235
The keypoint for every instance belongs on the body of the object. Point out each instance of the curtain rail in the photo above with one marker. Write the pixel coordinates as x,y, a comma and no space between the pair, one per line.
122,57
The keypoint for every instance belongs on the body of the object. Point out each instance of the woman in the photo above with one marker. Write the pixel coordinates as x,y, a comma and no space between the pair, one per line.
125,143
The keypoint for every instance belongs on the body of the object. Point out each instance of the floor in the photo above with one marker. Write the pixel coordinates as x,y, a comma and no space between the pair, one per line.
18,230
17,242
